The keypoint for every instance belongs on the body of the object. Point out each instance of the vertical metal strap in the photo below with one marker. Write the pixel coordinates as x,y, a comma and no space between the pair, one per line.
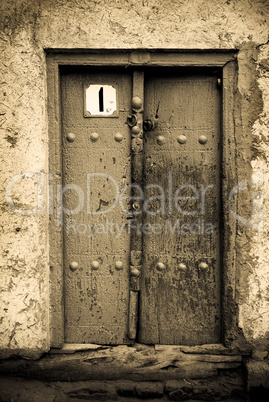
137,182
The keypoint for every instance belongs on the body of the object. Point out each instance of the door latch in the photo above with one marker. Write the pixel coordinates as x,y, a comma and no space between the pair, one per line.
132,120
149,125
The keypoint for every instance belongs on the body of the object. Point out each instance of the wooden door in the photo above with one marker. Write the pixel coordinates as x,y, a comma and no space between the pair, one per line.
180,286
96,159
179,282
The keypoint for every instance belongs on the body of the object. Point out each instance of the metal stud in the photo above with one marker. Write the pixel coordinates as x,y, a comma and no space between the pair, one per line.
94,137
135,130
160,266
202,139
118,137
73,266
70,137
182,266
203,266
134,271
160,139
181,139
95,264
136,103
118,265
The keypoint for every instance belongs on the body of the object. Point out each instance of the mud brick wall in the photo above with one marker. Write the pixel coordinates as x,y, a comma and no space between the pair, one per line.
27,27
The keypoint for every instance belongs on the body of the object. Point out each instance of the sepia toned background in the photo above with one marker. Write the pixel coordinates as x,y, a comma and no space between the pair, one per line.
28,28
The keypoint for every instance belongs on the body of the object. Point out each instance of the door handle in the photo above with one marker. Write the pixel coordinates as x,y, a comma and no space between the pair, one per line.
150,124
147,125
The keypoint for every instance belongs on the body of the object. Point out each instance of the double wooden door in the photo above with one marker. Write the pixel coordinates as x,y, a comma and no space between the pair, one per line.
142,213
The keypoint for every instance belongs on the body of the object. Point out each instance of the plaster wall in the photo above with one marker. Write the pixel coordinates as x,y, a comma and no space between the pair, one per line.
30,26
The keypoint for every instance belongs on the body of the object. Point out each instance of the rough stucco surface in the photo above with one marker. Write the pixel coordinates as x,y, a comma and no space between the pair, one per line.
27,27
254,317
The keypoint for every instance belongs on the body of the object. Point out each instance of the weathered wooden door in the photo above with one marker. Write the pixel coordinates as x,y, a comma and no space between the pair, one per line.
176,179
96,161
180,286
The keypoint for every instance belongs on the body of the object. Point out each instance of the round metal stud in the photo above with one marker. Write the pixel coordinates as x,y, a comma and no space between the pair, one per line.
136,103
160,266
181,139
134,271
73,266
118,137
135,130
202,139
70,137
182,266
95,264
118,265
203,266
160,139
94,137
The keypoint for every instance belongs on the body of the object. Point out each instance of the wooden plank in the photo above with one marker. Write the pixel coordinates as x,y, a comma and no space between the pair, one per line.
230,179
194,59
138,362
137,182
55,228
180,299
97,162
152,57
70,348
133,314
214,349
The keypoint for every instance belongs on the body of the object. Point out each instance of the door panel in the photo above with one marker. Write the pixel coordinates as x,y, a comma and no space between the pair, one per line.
179,300
180,297
96,287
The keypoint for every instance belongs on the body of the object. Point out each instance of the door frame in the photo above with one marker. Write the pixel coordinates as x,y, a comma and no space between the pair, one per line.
225,61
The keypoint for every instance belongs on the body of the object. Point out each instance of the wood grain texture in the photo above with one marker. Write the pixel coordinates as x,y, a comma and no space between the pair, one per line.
96,300
135,362
180,304
56,237
136,243
133,314
137,157
153,57
229,180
